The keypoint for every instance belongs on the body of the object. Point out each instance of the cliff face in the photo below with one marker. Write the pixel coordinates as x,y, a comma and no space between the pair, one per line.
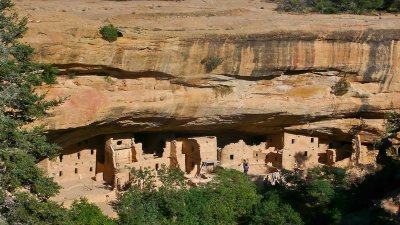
269,81
372,55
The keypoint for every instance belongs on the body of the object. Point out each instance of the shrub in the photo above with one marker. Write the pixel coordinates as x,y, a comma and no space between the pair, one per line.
108,79
341,87
395,7
225,200
333,6
49,73
392,121
211,63
222,90
109,33
273,211
22,52
82,212
326,7
292,5
319,192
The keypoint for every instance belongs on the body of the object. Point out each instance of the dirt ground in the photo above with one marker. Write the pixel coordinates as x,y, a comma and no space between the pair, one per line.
95,192
189,18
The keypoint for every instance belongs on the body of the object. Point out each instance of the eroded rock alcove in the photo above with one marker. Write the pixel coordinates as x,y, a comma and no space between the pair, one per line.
278,73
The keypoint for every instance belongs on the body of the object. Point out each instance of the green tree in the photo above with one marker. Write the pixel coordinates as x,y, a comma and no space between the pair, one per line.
273,211
83,213
395,6
171,177
22,148
143,179
26,209
319,192
228,199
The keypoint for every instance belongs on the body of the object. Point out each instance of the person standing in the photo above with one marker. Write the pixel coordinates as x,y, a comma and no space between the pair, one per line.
245,167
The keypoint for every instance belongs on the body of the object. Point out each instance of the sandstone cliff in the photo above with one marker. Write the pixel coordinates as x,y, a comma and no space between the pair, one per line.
278,70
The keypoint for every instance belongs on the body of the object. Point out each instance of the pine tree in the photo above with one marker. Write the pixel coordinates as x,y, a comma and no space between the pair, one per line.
21,181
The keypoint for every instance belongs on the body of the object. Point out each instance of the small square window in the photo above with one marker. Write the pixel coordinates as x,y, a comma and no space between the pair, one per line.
293,141
312,140
231,157
256,154
60,173
61,158
119,142
91,151
91,169
76,170
79,155
305,153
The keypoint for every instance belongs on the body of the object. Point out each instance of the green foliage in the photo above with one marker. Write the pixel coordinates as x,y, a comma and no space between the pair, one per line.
21,52
322,197
109,33
392,121
341,87
292,5
333,6
171,177
226,200
49,73
326,7
22,148
143,179
25,209
82,213
233,196
319,192
108,79
273,211
395,6
336,176
211,63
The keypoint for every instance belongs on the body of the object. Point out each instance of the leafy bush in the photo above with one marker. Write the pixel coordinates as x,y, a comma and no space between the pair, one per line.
341,87
319,192
49,73
22,52
395,6
335,6
82,213
392,121
229,197
326,7
211,63
273,211
293,5
109,33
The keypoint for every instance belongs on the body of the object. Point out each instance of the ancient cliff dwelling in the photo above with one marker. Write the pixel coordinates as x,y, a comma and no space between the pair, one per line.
110,158
199,85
